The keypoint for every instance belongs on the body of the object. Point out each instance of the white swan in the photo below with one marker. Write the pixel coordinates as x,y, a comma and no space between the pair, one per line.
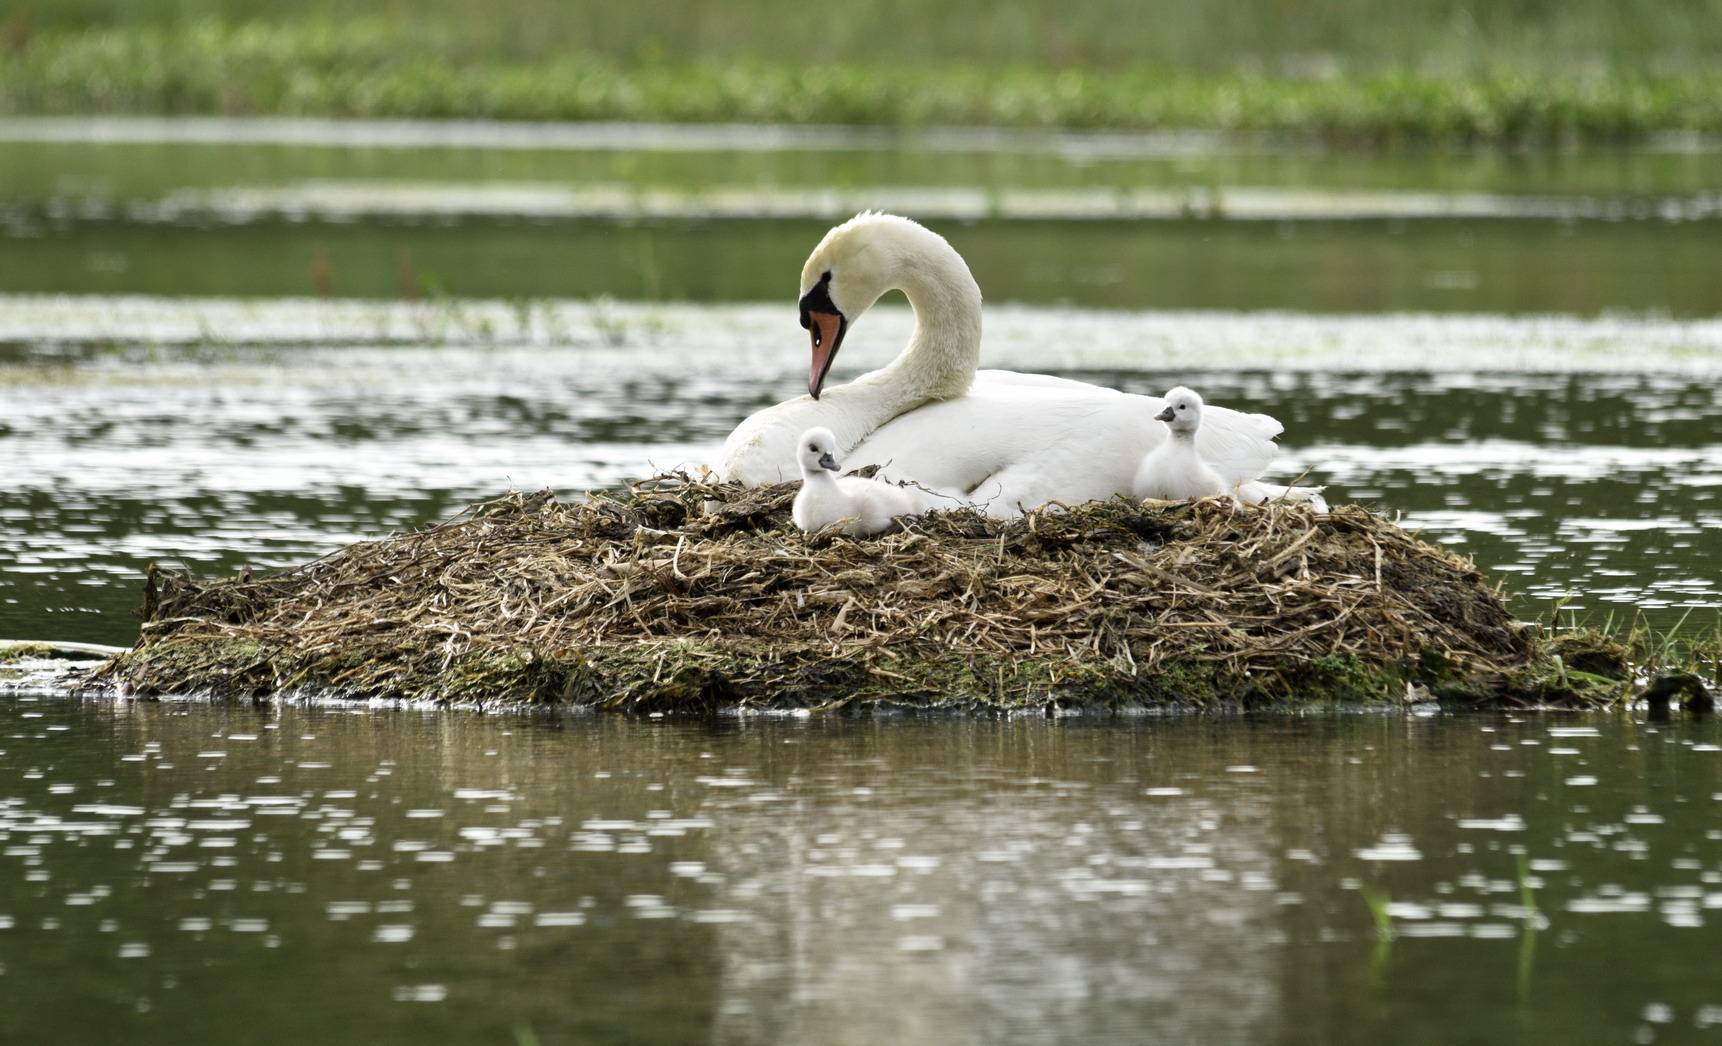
870,504
1009,441
1176,471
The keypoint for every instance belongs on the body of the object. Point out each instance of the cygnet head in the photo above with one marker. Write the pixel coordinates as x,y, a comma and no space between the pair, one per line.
817,451
852,267
1183,413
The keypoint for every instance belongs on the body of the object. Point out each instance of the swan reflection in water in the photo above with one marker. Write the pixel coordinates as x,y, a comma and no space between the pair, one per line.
989,903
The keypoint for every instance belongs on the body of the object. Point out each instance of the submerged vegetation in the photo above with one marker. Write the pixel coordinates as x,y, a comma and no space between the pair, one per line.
682,595
1423,72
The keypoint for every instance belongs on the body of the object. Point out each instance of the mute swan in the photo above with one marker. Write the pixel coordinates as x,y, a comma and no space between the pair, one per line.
1011,442
824,498
1176,471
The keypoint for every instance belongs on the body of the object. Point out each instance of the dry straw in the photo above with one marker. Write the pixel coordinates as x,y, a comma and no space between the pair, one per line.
683,594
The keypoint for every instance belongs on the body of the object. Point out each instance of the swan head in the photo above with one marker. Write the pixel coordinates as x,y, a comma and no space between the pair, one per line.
855,264
1183,411
817,450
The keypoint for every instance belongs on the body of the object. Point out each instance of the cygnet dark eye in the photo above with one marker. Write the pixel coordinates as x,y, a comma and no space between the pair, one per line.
1183,406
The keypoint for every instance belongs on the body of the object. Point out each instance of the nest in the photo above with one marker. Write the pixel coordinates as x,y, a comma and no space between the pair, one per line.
678,593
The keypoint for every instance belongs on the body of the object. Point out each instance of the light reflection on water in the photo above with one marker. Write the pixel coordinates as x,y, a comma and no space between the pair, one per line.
1598,489
186,871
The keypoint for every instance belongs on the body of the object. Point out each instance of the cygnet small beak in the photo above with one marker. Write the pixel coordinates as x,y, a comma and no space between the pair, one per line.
827,462
1165,415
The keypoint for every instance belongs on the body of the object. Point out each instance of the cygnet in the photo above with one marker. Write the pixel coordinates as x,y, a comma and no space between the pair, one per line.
870,505
1174,470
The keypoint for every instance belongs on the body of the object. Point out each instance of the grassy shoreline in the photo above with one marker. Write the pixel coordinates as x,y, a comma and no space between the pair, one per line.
374,69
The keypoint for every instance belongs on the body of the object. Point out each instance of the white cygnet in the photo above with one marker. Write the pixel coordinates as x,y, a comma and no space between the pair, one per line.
869,504
1174,470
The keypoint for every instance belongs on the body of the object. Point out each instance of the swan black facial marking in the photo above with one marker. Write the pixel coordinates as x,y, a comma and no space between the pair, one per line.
826,325
818,299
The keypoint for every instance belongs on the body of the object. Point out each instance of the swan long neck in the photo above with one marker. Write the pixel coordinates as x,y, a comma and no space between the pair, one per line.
940,358
945,349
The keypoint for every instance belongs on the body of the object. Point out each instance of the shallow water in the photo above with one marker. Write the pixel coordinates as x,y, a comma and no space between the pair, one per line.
174,873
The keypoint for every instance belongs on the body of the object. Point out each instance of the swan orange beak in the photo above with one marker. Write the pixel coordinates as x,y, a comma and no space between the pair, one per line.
825,330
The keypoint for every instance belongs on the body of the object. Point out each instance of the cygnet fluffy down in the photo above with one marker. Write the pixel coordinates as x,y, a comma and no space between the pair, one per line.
1175,470
869,504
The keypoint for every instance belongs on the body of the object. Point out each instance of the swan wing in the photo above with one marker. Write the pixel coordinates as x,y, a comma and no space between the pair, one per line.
1039,381
1024,442
1237,444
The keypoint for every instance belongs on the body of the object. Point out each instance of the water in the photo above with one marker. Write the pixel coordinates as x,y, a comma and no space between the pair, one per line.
260,207
174,872
1517,355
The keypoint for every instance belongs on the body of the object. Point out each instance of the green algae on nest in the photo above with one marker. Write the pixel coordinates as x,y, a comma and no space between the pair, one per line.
683,595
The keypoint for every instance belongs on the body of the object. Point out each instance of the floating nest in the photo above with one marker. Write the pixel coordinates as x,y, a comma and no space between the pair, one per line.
678,594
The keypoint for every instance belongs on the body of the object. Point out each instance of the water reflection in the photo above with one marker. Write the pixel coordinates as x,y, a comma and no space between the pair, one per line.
991,903
186,871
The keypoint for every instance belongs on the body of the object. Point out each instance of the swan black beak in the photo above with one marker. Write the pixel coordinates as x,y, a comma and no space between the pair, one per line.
1165,415
825,330
828,463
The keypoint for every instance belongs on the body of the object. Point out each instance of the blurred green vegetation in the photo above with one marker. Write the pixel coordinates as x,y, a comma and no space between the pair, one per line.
1273,36
1511,71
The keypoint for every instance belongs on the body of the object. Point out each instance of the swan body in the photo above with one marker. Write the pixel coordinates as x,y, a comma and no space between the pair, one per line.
871,505
1008,442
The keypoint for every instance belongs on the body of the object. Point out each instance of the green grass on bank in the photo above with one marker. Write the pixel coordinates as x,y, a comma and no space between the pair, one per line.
1294,38
389,67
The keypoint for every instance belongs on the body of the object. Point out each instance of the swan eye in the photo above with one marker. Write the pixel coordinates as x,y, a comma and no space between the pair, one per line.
1183,406
826,277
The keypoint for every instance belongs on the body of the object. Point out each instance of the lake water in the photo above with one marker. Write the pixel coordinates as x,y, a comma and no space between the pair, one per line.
1519,356
175,873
